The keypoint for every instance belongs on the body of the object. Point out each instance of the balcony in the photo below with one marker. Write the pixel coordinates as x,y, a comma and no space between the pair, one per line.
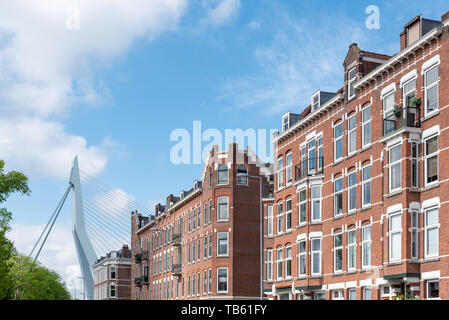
309,167
176,238
138,281
404,117
138,257
176,269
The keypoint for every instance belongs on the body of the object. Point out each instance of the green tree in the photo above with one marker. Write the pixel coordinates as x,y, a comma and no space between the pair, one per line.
32,281
11,182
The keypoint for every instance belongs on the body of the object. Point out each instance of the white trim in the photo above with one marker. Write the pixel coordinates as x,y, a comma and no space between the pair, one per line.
366,283
336,286
381,281
351,284
430,132
302,236
316,234
395,208
311,136
431,203
388,89
430,63
431,275
414,206
409,76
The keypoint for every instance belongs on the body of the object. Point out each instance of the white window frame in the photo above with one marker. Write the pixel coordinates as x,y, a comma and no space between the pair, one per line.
352,132
426,157
351,82
405,94
289,169
338,294
279,218
227,244
311,156
338,248
270,221
317,199
318,252
302,204
364,183
366,242
288,213
427,228
352,190
288,260
115,273
302,254
352,246
110,290
336,139
219,182
365,290
280,173
414,234
366,122
269,265
414,159
336,195
431,86
392,165
279,263
352,291
220,219
285,124
392,232
316,105
427,289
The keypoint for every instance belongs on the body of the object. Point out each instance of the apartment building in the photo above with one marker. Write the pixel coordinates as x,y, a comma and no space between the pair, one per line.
360,199
112,275
206,242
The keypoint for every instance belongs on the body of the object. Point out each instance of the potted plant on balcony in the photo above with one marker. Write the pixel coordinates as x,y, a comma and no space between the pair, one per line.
416,102
397,111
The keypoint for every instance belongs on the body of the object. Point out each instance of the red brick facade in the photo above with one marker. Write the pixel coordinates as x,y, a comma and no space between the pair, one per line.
377,167
175,253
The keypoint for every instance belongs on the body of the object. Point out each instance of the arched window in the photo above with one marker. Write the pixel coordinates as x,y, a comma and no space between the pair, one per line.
242,175
223,174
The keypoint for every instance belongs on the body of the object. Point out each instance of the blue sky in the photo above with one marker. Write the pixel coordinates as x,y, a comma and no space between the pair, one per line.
113,90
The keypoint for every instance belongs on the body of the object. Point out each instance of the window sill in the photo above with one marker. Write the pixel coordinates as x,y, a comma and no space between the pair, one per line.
338,274
350,213
316,223
430,116
222,184
367,147
393,193
394,263
366,208
430,259
337,217
301,278
349,156
338,161
431,186
301,225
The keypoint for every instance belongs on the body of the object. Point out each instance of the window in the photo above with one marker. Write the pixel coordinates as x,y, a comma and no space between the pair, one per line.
316,102
285,122
198,247
204,282
338,197
352,245
414,234
316,203
193,252
193,219
112,275
366,246
188,253
431,90
319,296
302,206
431,232
193,285
388,105
316,256
205,214
223,213
352,77
320,153
269,265
223,174
279,253
395,237
210,246
338,142
222,244
366,186
288,215
205,248
338,253
188,221
338,294
198,285
302,258
352,294
112,291
395,167
289,169
366,293
431,160
198,216
210,281
280,173
279,218
222,280
210,178
242,175
288,262
352,191
366,127
312,156
409,92
352,134
433,289
270,221
188,285
210,210
414,160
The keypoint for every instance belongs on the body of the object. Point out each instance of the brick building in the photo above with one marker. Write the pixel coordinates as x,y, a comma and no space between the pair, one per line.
112,276
204,244
361,193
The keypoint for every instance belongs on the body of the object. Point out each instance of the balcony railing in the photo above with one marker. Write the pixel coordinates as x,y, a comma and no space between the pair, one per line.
406,117
176,269
138,256
309,167
138,281
176,238
146,255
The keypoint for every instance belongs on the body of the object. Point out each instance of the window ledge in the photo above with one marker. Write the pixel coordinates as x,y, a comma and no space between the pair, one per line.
367,147
301,278
351,272
431,186
430,116
349,156
394,193
432,259
366,208
394,263
351,213
338,217
316,223
338,274
338,161
301,225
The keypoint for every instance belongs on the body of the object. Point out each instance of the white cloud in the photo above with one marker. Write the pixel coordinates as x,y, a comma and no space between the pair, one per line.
46,68
58,254
222,13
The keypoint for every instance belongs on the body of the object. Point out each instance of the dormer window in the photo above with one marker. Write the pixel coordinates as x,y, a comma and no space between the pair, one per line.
286,122
195,186
413,33
316,101
352,77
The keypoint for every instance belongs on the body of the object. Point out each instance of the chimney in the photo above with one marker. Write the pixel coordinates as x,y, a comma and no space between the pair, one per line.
125,251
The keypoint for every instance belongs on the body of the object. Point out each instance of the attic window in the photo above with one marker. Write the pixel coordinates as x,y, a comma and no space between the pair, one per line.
413,33
286,122
351,80
316,101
